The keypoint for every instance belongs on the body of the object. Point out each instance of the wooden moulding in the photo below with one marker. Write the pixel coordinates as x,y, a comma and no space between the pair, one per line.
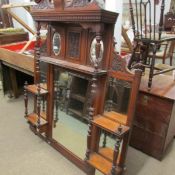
76,16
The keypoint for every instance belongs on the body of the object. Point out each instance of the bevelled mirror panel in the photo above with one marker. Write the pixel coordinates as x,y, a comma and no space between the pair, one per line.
56,43
70,111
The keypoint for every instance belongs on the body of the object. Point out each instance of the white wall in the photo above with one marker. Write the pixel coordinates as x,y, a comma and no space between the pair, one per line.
23,14
116,6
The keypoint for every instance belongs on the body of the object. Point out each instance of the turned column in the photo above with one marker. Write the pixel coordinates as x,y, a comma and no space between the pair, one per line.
92,96
116,152
37,53
25,99
38,105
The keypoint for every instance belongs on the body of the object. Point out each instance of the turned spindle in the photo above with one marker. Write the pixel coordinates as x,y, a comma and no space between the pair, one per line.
38,104
37,53
57,89
43,99
91,114
26,99
104,140
116,151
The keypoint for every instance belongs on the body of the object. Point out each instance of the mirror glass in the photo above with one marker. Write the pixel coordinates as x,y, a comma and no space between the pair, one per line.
93,51
70,111
117,96
56,43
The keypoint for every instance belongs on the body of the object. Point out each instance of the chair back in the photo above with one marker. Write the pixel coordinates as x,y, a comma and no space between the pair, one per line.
144,18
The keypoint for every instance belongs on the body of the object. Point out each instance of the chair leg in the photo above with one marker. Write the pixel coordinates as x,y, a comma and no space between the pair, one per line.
163,60
171,60
154,48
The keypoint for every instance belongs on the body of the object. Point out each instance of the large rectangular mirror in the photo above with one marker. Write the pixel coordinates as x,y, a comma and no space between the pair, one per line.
70,111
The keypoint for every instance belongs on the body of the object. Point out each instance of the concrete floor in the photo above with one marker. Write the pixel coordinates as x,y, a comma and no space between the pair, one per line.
23,153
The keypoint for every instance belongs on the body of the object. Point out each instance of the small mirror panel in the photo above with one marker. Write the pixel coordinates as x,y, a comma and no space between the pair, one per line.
56,43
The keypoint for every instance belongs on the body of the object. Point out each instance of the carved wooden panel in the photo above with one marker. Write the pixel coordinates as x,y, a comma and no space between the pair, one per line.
73,43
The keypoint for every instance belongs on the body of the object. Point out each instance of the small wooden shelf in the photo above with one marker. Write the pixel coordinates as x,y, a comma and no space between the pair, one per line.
102,164
109,125
72,66
107,153
33,118
33,89
116,117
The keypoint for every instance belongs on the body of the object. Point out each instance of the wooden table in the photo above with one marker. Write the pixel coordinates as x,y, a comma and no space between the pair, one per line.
14,64
154,125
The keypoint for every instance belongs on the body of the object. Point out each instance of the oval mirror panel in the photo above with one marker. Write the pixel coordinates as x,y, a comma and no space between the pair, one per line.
56,43
93,51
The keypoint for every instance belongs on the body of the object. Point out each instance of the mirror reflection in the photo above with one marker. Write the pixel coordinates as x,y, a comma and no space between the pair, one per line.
70,111
118,95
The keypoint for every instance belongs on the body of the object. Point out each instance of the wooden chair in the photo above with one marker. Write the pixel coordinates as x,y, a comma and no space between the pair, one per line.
165,52
147,36
105,159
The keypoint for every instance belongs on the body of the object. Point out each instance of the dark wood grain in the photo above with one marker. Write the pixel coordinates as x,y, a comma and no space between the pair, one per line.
154,126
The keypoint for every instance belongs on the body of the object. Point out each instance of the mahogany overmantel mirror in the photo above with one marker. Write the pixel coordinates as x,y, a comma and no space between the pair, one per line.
79,53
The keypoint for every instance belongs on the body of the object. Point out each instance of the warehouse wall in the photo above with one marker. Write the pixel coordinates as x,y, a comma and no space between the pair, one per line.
23,14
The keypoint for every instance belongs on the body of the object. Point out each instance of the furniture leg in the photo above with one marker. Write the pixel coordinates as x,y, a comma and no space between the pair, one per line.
14,82
154,48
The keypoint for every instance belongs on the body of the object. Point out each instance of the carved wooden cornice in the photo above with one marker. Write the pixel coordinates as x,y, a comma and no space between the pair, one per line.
76,16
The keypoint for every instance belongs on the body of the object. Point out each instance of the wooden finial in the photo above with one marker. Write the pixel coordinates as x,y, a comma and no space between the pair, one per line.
119,129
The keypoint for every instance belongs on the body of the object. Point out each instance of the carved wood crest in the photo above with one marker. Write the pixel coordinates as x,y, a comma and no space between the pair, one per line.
82,3
119,63
43,4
